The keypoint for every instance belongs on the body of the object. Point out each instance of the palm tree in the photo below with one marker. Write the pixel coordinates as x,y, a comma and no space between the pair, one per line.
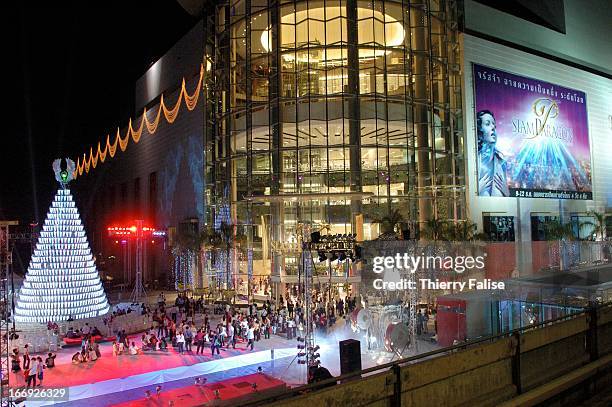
389,222
599,226
435,229
462,231
599,229
557,231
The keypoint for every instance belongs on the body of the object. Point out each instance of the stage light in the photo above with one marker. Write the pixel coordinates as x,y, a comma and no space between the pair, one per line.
316,348
301,354
315,237
300,346
357,251
301,362
300,339
259,369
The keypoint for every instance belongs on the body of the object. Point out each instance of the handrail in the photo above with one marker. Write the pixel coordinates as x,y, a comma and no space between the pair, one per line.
438,352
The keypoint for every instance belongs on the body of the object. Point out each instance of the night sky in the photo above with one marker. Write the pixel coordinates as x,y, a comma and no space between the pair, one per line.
70,80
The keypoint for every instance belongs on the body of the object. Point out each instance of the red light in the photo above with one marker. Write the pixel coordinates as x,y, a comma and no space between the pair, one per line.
133,229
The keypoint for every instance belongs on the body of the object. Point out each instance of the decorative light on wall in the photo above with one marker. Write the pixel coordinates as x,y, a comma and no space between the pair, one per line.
170,114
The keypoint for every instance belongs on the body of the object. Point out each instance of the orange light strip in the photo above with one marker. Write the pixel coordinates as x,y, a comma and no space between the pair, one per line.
84,163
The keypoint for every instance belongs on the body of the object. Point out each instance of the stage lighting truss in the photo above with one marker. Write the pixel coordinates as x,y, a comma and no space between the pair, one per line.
340,247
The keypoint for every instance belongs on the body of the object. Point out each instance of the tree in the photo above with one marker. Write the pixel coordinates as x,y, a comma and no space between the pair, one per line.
462,231
389,222
556,230
599,226
435,229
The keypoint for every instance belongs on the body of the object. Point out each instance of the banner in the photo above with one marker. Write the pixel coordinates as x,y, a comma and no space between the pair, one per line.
532,137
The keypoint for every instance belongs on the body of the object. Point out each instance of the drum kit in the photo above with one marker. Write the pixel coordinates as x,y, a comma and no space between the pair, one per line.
383,321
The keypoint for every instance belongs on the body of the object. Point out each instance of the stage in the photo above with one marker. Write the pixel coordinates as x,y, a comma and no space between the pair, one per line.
116,374
116,380
231,392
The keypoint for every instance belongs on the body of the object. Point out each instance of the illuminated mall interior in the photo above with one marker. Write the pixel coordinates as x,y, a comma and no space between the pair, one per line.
334,114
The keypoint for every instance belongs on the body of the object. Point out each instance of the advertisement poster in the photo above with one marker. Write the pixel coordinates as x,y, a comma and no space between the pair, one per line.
532,137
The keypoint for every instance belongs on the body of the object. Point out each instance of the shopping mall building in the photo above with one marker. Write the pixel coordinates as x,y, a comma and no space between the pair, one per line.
340,112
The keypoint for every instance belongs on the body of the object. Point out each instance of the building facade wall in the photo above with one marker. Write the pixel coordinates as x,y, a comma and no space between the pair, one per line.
599,105
585,41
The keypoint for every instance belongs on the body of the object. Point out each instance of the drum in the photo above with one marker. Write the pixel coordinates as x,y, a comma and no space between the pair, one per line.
397,337
364,319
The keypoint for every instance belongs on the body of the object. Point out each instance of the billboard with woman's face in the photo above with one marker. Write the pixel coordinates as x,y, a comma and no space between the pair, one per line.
532,137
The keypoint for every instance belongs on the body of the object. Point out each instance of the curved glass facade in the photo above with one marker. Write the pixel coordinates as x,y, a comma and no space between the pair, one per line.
333,112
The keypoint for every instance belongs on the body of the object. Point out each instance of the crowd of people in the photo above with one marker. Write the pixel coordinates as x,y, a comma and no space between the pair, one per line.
33,366
176,327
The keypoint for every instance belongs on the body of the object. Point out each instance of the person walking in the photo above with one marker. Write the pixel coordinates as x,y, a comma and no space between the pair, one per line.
180,342
26,357
250,335
199,341
39,371
32,372
231,340
215,343
188,338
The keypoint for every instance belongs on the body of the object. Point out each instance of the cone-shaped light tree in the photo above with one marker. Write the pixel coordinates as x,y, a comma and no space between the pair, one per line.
62,281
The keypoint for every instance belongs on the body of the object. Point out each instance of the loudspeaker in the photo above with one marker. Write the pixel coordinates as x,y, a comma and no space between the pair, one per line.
350,356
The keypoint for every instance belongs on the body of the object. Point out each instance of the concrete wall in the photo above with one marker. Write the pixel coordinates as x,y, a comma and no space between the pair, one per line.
587,31
538,363
181,61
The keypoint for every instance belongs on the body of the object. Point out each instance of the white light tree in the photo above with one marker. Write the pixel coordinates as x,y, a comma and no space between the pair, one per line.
62,281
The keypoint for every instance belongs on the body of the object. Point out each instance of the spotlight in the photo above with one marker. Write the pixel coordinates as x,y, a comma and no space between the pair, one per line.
315,237
316,355
316,348
300,339
357,251
301,354
300,346
301,362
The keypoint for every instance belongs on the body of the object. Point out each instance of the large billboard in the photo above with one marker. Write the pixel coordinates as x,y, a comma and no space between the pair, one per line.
532,137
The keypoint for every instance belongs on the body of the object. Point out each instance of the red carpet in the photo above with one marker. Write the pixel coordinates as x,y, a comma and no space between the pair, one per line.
231,393
112,367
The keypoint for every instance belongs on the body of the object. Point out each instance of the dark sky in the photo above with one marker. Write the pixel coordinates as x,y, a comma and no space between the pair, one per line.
71,72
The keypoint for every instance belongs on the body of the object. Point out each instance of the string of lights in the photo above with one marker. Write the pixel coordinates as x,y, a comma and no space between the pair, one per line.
87,162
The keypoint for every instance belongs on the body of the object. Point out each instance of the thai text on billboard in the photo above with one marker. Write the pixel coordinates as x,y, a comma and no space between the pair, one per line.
532,137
